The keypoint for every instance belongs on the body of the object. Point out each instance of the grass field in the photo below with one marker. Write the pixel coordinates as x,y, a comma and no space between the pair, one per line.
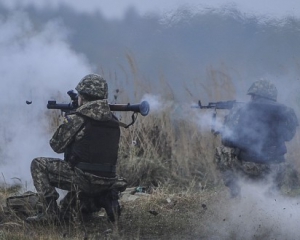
170,153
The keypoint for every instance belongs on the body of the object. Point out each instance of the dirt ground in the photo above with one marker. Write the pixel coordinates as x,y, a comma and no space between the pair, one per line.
256,214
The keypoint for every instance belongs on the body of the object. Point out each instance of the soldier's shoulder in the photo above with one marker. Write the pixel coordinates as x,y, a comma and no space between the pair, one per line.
73,119
236,110
289,114
287,109
292,116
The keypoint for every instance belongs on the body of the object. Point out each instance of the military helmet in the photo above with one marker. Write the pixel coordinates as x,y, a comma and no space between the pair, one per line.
93,85
263,88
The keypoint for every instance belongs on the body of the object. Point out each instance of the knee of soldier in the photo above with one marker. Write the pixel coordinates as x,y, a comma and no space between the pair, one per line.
37,163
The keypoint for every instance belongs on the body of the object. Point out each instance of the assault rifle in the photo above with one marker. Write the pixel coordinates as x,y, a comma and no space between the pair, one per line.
215,106
68,108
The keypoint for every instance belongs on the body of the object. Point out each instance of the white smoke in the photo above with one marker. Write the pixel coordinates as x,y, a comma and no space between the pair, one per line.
207,119
34,65
258,214
157,103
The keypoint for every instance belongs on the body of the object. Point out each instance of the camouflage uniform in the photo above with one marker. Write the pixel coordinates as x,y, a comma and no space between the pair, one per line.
253,138
51,173
233,168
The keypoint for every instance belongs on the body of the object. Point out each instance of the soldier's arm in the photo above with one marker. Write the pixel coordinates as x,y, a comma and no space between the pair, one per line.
66,133
229,133
291,124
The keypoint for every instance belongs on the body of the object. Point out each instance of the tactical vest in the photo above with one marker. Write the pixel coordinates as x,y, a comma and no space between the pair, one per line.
97,151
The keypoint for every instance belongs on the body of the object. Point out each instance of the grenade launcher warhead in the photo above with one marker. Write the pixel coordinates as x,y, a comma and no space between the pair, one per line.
68,108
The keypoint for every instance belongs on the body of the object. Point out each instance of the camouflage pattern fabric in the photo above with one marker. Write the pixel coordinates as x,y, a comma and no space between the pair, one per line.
93,85
51,173
253,138
70,129
227,160
48,173
282,176
97,110
244,123
263,88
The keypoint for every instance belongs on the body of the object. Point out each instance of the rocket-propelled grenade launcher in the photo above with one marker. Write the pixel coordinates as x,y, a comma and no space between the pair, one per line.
68,108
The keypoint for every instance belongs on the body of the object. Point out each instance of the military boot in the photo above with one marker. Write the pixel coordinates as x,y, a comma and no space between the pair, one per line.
109,201
50,214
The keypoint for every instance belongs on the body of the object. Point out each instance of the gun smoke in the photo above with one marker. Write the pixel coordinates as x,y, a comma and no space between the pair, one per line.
33,66
38,63
156,102
256,215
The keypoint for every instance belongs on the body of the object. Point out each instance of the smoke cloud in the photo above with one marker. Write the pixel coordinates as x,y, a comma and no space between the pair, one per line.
39,64
35,66
256,215
157,103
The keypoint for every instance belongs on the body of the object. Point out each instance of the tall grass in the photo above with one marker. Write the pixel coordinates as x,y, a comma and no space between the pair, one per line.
167,152
169,147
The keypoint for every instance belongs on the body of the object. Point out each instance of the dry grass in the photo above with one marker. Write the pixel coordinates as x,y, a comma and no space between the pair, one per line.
168,147
160,150
171,156
158,215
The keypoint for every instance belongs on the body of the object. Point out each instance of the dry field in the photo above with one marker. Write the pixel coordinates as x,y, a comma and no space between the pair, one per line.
170,153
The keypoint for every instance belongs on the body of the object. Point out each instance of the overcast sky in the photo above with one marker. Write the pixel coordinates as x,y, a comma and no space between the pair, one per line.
115,9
